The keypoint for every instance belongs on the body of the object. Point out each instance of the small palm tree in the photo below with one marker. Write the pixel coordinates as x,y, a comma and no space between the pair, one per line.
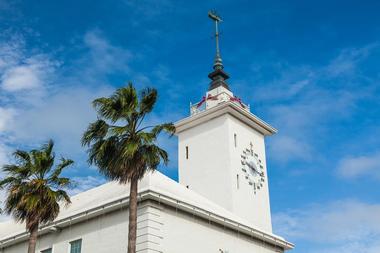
34,189
122,147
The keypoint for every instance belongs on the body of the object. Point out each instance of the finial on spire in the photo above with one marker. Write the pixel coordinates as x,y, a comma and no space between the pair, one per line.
218,76
218,64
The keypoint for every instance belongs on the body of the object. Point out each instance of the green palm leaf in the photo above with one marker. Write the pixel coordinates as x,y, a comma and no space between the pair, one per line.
34,186
120,147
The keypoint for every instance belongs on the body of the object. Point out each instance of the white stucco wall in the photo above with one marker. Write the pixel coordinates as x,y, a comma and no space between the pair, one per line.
103,234
207,170
247,204
160,229
188,234
214,162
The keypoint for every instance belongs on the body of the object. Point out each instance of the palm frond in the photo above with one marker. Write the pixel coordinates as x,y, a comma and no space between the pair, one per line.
124,150
22,156
95,131
54,177
148,98
32,191
167,127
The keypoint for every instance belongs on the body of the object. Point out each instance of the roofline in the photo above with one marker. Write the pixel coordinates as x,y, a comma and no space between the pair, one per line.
226,107
160,198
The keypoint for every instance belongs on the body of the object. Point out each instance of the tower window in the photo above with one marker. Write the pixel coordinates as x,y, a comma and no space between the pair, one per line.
235,140
187,152
237,181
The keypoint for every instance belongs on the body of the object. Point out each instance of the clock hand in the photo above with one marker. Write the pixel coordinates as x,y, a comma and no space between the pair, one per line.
253,167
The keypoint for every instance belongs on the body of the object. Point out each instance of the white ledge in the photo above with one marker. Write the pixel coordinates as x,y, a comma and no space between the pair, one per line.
226,108
160,198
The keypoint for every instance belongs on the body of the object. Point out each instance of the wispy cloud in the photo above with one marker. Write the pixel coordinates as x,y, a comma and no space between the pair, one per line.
42,99
31,73
358,166
302,97
347,61
144,10
340,226
6,116
103,57
25,75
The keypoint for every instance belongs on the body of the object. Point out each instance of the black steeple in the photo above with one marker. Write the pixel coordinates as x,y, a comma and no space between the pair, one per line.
218,76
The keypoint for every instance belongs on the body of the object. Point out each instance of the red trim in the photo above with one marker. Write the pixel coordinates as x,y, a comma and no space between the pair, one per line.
209,97
236,99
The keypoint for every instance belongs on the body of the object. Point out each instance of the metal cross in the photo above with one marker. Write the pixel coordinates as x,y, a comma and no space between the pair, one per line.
218,60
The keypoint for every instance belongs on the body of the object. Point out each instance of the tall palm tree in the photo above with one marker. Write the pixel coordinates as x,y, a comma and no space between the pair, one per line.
122,147
34,188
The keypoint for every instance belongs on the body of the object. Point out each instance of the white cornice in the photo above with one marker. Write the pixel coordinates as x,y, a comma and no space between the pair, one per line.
226,108
161,199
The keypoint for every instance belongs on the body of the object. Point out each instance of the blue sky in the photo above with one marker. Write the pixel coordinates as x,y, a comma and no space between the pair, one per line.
311,69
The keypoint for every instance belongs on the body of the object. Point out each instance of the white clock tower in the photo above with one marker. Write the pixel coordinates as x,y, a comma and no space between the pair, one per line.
222,150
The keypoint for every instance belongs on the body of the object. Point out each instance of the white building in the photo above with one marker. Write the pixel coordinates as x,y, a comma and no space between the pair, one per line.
221,203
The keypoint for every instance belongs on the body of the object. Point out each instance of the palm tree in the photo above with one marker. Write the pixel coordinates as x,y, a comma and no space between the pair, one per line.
122,147
34,189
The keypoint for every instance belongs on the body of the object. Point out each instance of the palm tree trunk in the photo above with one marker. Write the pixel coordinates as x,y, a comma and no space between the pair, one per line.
33,239
132,229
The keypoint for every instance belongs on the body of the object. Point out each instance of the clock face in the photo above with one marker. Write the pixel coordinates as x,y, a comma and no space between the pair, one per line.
253,169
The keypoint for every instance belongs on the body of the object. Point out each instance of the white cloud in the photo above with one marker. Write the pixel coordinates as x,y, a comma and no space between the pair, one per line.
356,166
6,117
40,99
11,52
347,61
31,75
63,116
20,70
38,110
21,77
302,97
286,148
104,57
340,226
291,82
4,155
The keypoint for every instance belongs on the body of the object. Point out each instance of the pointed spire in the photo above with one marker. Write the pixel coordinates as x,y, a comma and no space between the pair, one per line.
218,76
